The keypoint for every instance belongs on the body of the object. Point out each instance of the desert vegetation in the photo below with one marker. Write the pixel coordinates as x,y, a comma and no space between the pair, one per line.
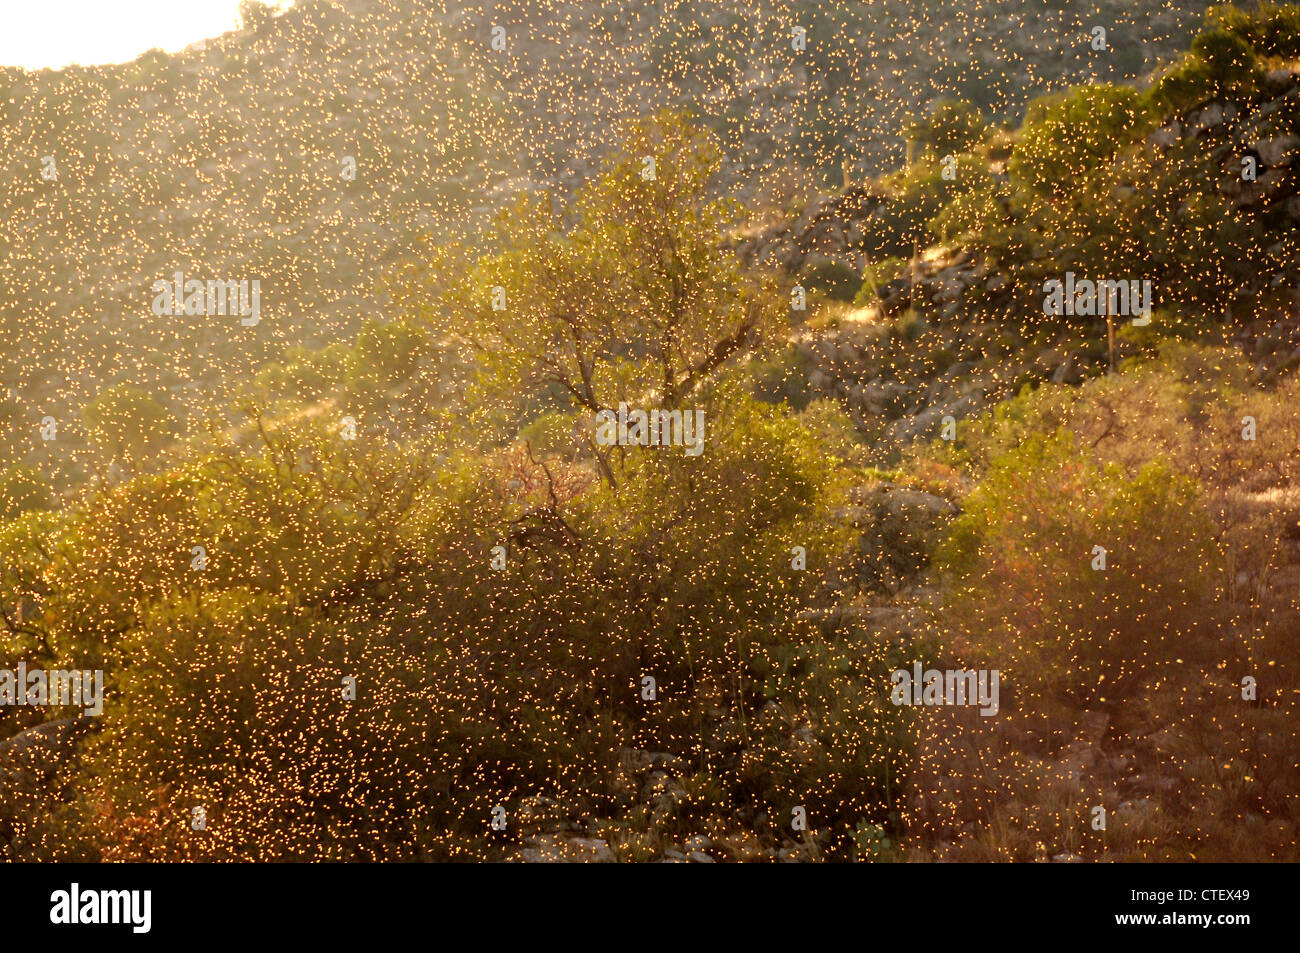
391,574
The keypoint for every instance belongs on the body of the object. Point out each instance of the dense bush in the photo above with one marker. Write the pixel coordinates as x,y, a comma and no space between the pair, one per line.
950,127
473,687
833,279
1272,29
1033,599
1142,662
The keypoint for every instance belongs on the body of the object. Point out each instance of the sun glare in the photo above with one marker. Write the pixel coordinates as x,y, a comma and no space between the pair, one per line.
59,33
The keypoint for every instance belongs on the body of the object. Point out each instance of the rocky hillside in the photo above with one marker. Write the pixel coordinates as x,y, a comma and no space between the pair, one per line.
232,159
957,329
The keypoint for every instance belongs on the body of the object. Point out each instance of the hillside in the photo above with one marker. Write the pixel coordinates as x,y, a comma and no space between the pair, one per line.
614,473
228,161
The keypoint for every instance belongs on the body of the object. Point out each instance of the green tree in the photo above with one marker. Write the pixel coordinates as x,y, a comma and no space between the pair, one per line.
1272,29
627,296
1220,65
1068,137
385,356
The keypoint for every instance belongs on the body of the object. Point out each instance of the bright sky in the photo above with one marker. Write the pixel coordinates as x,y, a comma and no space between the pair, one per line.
40,33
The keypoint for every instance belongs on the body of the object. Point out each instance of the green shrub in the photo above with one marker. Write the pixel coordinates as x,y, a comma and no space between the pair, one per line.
126,423
835,431
1272,29
1220,65
875,276
899,224
1029,600
474,688
1067,137
834,279
950,127
783,378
